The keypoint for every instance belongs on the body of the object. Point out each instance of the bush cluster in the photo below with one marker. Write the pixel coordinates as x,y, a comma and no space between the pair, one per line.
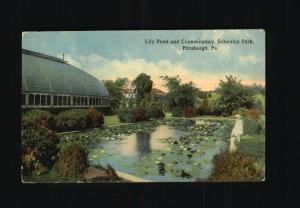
241,111
77,119
253,113
177,111
235,167
96,117
125,115
73,161
189,112
204,108
253,126
39,144
38,118
137,114
74,119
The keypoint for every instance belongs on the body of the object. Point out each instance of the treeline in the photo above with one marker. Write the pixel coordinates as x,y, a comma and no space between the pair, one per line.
185,99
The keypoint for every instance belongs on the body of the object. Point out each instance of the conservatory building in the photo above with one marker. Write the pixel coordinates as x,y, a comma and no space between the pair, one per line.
50,82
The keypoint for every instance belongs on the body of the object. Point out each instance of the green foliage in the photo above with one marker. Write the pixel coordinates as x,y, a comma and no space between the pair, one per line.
259,103
74,119
157,112
38,118
235,167
39,148
233,95
96,117
115,90
253,126
125,115
240,111
139,114
143,86
204,109
189,112
73,161
256,89
182,95
177,111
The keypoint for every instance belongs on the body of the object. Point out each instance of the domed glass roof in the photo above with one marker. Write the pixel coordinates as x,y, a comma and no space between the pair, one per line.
47,74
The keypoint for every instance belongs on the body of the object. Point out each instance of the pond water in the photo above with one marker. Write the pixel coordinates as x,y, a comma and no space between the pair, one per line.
161,155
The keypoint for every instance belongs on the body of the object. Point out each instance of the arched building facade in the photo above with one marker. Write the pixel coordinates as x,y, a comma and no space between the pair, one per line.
50,82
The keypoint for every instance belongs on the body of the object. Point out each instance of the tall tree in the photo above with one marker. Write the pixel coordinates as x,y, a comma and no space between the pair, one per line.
233,95
143,86
115,90
180,94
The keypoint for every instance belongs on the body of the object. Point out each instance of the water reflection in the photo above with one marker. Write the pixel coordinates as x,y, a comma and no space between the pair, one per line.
140,144
143,145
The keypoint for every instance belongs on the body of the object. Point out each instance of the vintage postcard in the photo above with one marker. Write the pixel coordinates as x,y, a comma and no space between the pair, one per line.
143,106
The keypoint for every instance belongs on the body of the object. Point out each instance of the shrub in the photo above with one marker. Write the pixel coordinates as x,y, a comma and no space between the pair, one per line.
189,112
252,126
235,167
233,95
240,111
157,113
125,115
96,117
73,161
139,114
38,118
204,109
177,111
258,105
74,119
253,113
39,149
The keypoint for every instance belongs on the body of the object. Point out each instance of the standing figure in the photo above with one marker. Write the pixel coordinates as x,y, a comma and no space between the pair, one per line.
236,133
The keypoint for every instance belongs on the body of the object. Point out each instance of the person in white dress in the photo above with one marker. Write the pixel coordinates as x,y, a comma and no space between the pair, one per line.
236,132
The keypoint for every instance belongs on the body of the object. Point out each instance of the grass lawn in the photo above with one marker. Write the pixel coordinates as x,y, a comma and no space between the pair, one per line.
254,145
111,120
168,114
218,118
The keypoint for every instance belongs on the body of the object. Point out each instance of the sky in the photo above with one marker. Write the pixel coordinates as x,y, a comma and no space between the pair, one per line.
108,55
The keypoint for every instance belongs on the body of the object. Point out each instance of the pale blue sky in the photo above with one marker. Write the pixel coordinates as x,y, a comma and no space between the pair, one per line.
112,54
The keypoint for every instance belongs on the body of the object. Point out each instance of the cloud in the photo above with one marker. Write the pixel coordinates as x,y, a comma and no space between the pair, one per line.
177,50
110,69
252,59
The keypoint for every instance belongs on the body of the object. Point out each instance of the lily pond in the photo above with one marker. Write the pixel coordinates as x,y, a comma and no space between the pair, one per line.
168,150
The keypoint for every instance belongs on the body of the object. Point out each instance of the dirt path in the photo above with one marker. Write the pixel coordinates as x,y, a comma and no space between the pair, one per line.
131,178
94,172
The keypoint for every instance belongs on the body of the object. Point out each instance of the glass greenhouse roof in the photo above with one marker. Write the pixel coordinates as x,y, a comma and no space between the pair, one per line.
47,74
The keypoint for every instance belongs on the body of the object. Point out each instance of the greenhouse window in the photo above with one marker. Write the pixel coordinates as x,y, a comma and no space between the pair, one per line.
55,100
59,100
31,99
65,100
37,99
43,100
23,99
69,100
48,100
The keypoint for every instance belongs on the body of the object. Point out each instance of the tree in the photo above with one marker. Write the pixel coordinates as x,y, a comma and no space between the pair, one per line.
204,108
115,90
179,94
143,86
233,95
